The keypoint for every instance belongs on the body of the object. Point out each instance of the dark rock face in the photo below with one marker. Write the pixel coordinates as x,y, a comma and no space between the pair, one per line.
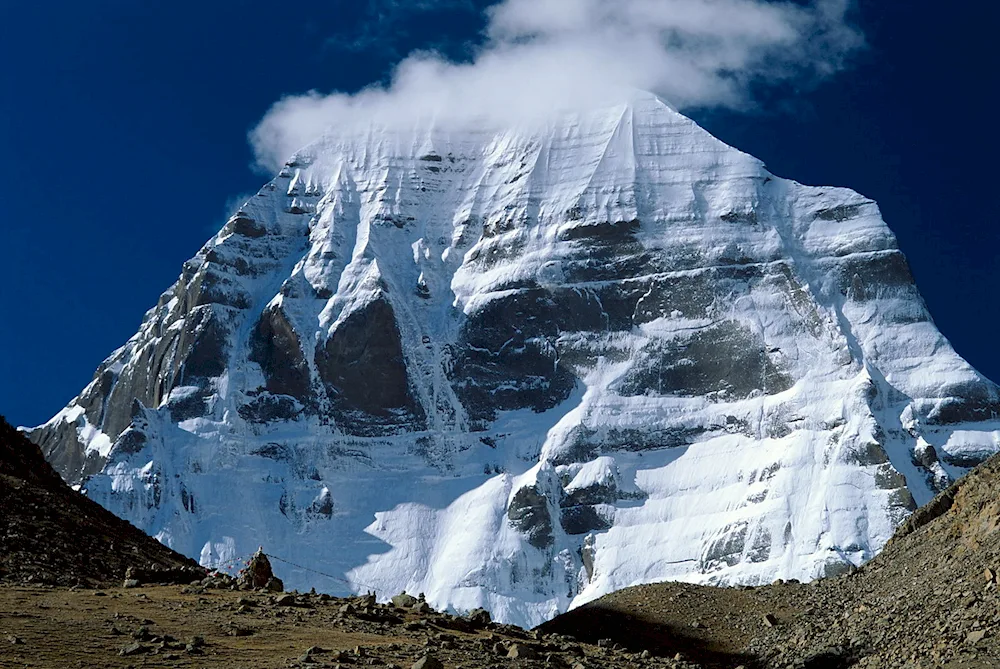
132,440
214,285
724,360
322,506
364,372
506,360
276,347
187,356
242,224
268,408
64,451
598,493
582,519
968,402
529,514
203,346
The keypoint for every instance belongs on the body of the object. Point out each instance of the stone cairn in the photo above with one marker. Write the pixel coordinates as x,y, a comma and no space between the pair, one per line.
258,574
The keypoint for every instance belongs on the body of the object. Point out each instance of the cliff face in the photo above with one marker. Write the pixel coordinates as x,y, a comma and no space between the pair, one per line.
547,362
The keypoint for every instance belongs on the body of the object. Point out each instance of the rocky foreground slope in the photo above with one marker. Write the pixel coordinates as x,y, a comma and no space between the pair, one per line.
523,367
51,534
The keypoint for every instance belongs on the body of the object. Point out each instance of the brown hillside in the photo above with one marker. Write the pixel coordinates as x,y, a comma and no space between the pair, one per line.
52,534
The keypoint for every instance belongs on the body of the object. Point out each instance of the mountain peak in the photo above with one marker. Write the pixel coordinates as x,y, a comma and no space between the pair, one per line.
523,366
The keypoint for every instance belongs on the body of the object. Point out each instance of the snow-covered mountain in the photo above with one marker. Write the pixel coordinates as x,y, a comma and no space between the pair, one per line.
520,368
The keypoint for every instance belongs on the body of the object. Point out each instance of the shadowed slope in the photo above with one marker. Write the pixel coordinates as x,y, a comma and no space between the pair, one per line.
52,534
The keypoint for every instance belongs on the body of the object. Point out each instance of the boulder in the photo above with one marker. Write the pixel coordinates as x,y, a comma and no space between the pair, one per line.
520,651
480,617
404,601
427,662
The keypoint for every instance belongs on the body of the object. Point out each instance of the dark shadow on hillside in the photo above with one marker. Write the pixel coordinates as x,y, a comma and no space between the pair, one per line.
591,623
707,647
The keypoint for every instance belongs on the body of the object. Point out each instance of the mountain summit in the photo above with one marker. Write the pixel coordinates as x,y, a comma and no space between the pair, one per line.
520,368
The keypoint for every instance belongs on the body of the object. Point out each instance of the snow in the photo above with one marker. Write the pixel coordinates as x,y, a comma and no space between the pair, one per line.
715,487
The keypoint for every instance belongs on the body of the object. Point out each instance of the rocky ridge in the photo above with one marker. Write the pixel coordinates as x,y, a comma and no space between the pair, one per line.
53,535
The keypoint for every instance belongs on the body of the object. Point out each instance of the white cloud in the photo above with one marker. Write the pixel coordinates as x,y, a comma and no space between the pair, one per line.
546,54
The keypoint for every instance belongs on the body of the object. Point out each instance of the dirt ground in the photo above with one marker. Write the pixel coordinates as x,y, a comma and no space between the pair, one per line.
181,626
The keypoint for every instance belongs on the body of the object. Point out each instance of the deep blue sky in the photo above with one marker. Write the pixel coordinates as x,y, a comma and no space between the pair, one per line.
123,142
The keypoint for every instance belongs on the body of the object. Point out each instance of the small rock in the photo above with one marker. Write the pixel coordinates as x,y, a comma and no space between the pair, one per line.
130,583
976,636
14,640
991,576
427,662
519,651
133,649
422,608
770,620
285,600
